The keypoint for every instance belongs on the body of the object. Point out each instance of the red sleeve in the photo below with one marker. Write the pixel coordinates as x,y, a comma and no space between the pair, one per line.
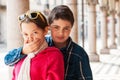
56,66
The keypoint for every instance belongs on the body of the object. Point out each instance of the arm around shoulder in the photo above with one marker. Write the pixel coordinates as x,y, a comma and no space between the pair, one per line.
13,56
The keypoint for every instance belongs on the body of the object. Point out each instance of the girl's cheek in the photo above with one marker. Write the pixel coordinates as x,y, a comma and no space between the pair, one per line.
26,40
36,38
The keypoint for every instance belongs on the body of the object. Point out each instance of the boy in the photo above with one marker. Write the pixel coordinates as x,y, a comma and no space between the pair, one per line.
76,60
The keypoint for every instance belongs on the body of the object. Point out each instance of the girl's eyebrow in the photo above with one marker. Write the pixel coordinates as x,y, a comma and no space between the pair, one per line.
35,29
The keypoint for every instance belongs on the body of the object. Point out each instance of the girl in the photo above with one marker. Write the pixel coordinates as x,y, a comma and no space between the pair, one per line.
44,63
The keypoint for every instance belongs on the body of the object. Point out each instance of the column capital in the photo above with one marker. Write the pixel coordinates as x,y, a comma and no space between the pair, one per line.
69,2
92,2
112,12
104,8
118,14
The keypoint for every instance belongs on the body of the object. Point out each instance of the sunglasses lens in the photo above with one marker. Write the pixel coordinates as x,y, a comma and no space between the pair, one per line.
33,15
22,17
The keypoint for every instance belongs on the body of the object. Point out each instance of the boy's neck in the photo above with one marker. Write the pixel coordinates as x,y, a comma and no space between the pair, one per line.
60,45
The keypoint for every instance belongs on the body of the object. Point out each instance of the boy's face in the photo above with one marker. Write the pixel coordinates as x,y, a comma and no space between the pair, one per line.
31,32
60,31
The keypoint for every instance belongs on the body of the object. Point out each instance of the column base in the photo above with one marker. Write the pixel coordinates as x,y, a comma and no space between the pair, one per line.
104,51
10,72
115,51
113,46
118,47
94,57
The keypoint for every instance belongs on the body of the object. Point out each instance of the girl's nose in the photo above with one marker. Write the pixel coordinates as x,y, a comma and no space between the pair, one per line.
30,38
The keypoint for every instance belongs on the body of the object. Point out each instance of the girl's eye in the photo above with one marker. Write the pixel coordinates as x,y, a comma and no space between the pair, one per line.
35,33
24,34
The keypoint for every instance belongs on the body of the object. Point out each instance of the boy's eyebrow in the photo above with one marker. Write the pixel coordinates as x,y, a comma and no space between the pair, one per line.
59,26
54,25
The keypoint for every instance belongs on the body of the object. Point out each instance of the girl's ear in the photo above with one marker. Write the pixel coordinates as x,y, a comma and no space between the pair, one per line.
46,30
49,27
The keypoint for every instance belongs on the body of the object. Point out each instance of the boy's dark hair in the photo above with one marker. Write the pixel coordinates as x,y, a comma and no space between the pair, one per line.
61,12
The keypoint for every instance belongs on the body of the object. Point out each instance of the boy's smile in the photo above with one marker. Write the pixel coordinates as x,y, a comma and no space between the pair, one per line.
60,31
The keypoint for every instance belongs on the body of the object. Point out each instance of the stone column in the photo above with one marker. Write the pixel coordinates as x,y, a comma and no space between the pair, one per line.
52,4
118,23
73,6
14,38
118,31
81,22
92,32
112,29
104,46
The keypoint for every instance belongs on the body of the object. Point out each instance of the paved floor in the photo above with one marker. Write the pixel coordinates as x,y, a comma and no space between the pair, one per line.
3,68
107,69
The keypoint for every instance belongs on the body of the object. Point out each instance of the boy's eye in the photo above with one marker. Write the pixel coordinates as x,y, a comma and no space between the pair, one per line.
66,28
56,27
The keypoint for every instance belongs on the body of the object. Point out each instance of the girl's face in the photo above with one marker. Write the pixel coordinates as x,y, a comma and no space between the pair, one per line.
31,32
60,31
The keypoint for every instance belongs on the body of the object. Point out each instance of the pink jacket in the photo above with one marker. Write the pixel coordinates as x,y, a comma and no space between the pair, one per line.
46,65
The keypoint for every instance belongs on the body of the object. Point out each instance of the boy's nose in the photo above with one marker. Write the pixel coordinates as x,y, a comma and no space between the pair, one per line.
60,32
